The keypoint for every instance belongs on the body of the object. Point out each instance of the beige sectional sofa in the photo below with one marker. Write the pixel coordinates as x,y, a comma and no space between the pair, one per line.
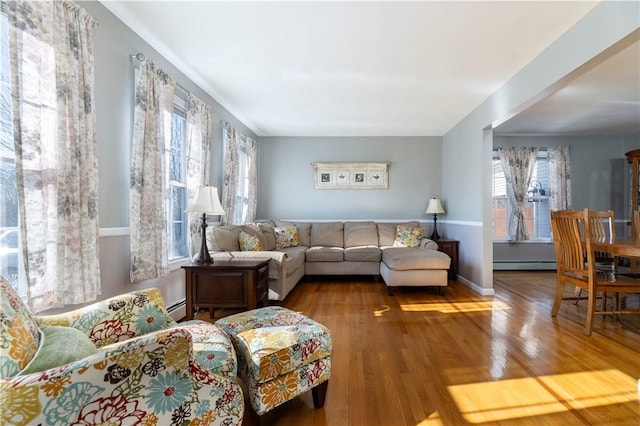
334,248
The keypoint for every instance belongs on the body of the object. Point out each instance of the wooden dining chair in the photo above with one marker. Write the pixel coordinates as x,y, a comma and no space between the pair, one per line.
602,227
572,238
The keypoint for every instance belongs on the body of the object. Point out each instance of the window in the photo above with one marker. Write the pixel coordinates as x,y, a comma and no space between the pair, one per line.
10,253
177,183
536,207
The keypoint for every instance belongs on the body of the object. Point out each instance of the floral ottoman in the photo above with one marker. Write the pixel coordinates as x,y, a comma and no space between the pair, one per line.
281,354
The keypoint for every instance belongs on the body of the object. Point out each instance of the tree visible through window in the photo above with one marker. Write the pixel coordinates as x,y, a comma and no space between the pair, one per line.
536,211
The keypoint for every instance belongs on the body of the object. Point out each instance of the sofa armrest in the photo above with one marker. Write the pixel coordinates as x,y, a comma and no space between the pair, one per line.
126,383
116,319
426,243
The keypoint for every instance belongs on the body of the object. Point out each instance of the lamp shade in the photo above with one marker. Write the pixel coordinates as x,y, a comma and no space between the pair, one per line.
435,206
206,201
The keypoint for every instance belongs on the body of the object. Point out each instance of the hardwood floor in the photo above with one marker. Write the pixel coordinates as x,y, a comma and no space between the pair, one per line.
419,358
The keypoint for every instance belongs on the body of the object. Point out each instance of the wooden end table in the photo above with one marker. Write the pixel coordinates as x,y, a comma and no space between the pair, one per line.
242,284
450,247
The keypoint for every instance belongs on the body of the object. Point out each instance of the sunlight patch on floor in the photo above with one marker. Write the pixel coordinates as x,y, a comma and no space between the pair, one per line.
536,396
452,307
432,420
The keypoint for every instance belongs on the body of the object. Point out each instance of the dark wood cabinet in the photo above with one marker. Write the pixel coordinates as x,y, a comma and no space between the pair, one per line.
240,284
633,157
450,247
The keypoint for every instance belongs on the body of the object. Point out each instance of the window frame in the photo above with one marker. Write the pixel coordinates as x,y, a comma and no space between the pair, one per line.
179,109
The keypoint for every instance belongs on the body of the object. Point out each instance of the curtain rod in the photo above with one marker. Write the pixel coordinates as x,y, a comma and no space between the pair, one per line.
139,57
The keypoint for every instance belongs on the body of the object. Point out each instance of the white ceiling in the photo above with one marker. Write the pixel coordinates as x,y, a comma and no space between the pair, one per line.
355,68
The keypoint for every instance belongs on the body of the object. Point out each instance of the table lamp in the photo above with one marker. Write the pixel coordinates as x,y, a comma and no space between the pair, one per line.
206,201
435,208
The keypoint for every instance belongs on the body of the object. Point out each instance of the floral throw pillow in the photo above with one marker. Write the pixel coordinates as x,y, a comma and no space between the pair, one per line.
286,236
249,242
407,236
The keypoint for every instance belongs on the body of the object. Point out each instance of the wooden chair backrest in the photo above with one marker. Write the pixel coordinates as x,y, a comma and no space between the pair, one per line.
602,228
635,224
602,225
567,227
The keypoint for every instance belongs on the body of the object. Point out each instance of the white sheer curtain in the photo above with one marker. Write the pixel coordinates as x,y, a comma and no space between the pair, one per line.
199,132
52,90
239,191
518,164
154,92
252,181
230,174
559,178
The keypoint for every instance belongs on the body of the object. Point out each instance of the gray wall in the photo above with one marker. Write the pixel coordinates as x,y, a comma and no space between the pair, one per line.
595,161
113,43
456,167
598,171
285,177
467,147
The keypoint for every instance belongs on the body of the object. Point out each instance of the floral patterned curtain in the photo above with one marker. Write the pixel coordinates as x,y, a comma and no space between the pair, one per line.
230,175
54,129
559,178
252,155
199,125
154,91
518,165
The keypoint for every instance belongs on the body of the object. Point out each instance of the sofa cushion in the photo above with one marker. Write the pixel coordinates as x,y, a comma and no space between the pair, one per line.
249,242
405,258
408,236
387,232
226,237
60,346
269,237
363,254
286,236
328,234
304,231
325,254
19,333
357,234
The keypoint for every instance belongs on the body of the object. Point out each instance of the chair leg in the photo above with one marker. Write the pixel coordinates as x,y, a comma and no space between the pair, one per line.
558,299
591,308
319,393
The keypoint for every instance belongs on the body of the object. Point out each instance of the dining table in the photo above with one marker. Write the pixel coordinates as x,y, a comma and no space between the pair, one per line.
619,246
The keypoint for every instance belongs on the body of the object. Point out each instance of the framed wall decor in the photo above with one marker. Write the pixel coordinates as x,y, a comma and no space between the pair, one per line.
350,175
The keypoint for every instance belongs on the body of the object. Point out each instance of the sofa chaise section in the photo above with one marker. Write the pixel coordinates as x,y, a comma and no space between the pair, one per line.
335,248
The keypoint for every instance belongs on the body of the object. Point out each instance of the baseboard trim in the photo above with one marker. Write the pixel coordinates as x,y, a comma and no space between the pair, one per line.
475,287
178,310
525,266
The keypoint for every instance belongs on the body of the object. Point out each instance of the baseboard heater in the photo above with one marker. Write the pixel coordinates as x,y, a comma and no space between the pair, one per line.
178,310
536,265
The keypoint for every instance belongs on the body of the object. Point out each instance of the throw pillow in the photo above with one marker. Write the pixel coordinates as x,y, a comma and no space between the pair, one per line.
249,242
60,346
408,236
19,333
286,236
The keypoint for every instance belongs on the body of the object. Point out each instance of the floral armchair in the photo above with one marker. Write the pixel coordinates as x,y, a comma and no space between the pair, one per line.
119,361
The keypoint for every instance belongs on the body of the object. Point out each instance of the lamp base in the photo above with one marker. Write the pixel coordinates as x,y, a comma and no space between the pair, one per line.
434,235
204,257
